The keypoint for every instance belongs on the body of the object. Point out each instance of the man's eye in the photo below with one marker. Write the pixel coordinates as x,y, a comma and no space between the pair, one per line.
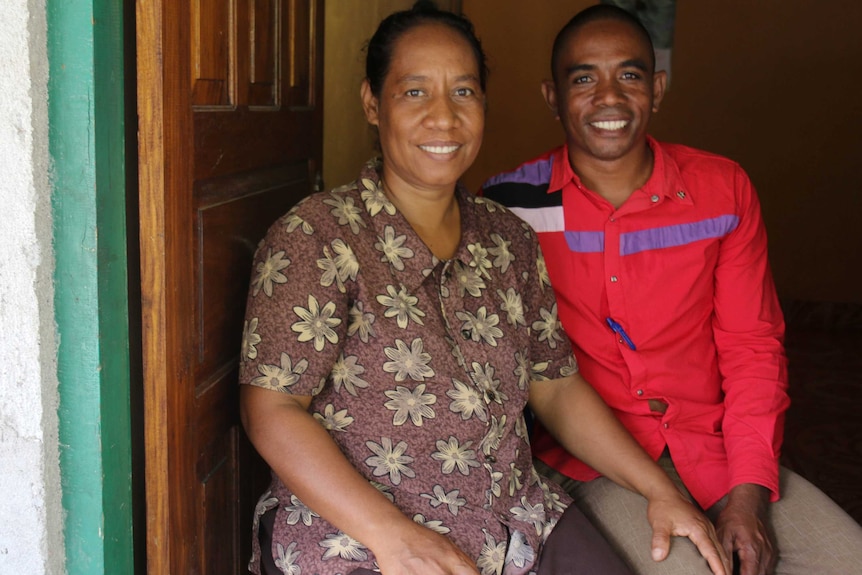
464,92
580,79
631,76
413,93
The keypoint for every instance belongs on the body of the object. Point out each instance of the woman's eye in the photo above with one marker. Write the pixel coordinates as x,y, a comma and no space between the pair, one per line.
413,93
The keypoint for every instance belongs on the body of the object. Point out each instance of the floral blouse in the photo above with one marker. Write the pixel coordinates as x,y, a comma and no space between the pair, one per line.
418,368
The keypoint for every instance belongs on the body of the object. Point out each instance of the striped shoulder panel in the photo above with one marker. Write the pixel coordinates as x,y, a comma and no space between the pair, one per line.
525,187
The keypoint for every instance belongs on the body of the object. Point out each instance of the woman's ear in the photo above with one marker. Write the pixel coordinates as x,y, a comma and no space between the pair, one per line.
369,103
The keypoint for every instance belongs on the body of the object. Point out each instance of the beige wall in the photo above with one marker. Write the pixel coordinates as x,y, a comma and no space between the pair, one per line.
771,84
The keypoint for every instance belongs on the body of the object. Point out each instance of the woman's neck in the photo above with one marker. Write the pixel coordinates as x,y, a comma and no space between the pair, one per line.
435,216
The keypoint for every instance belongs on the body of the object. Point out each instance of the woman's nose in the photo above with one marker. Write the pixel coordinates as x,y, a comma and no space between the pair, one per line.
441,113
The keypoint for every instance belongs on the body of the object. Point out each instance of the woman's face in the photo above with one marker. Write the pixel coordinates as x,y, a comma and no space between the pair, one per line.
430,112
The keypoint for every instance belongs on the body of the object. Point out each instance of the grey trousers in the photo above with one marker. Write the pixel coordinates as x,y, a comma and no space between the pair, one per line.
813,534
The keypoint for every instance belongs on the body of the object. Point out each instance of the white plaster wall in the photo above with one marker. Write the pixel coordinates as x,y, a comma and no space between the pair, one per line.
30,497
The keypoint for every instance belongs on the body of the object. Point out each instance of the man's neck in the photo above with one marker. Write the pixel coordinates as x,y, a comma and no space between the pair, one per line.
614,180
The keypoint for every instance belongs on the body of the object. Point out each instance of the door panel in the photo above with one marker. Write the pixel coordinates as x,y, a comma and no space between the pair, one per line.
230,128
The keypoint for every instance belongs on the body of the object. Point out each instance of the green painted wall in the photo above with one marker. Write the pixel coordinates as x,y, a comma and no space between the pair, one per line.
86,131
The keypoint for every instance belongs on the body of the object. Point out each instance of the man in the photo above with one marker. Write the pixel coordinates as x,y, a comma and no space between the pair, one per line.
657,254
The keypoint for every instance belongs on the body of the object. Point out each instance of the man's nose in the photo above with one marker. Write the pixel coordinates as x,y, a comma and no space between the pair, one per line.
608,92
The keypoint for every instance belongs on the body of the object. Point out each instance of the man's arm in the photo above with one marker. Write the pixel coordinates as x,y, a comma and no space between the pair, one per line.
574,413
749,330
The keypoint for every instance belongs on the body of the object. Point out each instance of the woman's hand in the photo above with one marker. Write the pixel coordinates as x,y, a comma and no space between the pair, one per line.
417,549
673,515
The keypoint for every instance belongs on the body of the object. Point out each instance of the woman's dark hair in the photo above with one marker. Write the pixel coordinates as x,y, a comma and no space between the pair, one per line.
379,49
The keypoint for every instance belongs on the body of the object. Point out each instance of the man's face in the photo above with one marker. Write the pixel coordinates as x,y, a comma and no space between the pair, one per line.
605,91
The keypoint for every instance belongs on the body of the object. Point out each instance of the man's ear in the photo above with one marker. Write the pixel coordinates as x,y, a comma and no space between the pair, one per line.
659,86
549,92
369,103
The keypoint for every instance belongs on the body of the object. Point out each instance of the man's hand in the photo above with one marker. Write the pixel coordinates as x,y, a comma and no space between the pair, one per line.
742,529
676,516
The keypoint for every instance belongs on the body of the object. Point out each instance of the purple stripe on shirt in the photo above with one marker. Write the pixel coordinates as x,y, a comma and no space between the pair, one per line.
586,242
537,173
678,235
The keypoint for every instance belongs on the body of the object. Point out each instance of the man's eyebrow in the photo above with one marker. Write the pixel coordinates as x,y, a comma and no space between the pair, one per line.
574,68
635,63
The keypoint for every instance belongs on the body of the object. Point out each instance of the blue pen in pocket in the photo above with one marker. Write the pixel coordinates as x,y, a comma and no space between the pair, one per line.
621,332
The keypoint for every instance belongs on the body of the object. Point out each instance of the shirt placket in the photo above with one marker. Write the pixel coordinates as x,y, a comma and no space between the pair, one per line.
459,339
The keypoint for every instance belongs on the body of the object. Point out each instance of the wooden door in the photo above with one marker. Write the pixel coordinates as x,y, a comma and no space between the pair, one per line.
229,132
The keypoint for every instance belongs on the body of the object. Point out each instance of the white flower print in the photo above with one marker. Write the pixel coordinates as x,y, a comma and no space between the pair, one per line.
345,260
538,370
286,560
469,281
393,248
481,326
401,305
450,499
520,553
375,199
552,500
544,278
480,262
502,256
490,205
293,221
333,420
466,401
414,403
249,338
344,546
492,556
280,377
408,362
264,504
269,272
522,370
528,513
492,438
453,455
494,488
346,372
484,378
346,211
549,326
298,511
389,461
571,367
330,271
512,304
433,524
521,428
360,322
515,483
316,323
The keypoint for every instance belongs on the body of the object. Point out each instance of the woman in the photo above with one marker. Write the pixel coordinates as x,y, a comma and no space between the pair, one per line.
396,328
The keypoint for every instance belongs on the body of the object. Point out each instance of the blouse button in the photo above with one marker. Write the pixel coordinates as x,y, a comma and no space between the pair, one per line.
654,199
640,392
491,395
491,459
614,279
465,334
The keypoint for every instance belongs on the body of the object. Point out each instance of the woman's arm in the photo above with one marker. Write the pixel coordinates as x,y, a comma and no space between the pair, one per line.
576,416
308,461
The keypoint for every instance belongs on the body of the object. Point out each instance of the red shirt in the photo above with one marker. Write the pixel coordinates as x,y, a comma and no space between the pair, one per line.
681,268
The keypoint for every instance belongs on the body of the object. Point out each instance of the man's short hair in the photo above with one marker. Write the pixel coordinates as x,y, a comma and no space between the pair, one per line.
597,13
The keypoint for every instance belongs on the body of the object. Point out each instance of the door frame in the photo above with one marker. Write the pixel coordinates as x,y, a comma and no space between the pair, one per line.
87,145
